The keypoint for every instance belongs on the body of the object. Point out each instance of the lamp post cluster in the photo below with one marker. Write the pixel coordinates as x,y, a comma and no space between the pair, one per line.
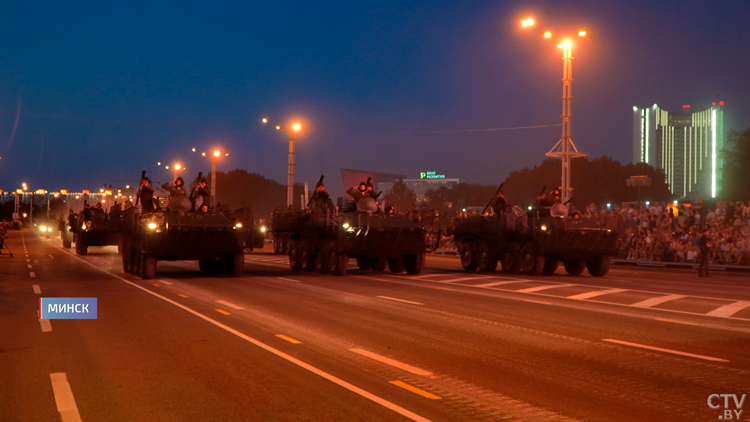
565,148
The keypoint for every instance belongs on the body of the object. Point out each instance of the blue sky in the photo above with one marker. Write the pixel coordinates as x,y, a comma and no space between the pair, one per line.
105,90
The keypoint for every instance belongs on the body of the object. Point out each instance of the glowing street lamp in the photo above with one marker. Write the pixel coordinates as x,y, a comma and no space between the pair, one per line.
565,148
214,155
290,179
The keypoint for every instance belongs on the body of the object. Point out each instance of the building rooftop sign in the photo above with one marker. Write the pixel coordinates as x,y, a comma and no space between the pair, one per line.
430,175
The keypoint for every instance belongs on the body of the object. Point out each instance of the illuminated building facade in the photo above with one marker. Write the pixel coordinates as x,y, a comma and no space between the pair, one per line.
686,144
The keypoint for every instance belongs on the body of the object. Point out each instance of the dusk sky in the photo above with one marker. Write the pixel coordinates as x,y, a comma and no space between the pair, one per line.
94,92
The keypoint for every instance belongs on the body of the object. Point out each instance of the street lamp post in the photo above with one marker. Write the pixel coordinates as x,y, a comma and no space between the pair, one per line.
290,178
214,155
565,148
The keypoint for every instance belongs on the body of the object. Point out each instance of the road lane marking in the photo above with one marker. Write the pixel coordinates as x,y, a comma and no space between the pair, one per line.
540,288
66,404
400,300
182,295
656,301
29,265
674,320
456,280
589,295
36,289
729,310
166,282
230,304
415,390
221,311
498,283
32,274
289,339
424,276
45,324
536,301
304,365
156,285
388,361
28,260
288,279
659,349
445,288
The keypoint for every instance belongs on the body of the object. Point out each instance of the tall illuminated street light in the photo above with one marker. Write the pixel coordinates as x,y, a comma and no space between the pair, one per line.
214,155
290,179
564,148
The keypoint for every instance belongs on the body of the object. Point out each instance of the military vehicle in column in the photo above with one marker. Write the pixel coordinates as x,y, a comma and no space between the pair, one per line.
172,235
322,238
101,230
210,238
535,242
252,233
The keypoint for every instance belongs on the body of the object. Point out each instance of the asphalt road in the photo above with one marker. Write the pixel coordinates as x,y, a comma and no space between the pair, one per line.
446,345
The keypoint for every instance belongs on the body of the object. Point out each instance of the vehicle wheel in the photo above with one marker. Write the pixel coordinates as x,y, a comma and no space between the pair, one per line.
149,268
339,262
511,262
486,260
550,265
67,241
468,257
238,265
81,248
363,263
574,266
532,263
206,265
307,256
599,266
138,264
378,264
323,259
295,258
396,265
414,263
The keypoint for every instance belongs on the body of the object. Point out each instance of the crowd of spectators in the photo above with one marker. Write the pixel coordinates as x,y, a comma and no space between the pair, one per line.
670,232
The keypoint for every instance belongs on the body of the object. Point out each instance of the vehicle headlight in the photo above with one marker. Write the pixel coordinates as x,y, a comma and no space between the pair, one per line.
152,226
544,227
238,225
263,228
83,226
346,225
49,229
44,228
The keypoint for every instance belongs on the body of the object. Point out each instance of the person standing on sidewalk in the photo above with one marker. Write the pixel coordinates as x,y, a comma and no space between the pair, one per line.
707,253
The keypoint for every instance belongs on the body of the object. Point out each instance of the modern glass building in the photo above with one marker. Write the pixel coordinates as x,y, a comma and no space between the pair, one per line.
685,144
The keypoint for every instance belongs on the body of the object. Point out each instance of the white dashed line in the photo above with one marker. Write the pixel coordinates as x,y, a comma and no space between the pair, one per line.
36,289
656,301
659,349
540,288
46,325
231,305
288,279
400,300
589,295
66,404
32,274
166,282
729,310
392,362
499,283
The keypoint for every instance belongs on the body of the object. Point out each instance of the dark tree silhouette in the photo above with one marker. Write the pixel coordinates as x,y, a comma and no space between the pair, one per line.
401,197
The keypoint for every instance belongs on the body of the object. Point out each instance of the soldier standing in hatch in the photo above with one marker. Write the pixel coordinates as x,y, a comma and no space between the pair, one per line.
498,203
178,198
146,195
320,199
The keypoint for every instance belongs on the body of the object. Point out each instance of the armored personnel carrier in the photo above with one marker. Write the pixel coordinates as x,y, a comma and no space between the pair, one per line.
209,238
536,242
98,232
325,240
